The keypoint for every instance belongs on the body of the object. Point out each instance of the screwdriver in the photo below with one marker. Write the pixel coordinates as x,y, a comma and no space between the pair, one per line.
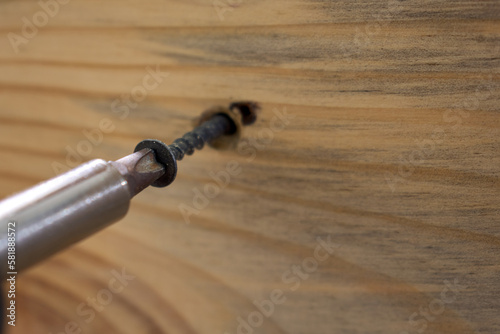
68,208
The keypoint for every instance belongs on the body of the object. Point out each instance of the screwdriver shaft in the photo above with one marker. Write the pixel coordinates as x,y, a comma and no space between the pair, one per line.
64,210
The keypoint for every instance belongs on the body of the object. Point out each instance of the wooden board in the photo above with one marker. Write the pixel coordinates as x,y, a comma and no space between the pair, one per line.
390,151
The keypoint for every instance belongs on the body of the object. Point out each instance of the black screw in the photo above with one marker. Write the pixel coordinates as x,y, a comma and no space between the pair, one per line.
215,127
218,125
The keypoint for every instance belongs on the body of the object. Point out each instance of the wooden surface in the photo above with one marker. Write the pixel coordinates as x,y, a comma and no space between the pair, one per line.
391,150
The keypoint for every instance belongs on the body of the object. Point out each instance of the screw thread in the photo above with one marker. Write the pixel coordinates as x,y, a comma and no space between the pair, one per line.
205,133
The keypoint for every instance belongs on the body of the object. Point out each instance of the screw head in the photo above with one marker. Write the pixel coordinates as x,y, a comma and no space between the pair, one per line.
164,156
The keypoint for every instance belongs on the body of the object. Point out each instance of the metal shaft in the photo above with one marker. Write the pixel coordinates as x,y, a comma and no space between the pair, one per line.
62,211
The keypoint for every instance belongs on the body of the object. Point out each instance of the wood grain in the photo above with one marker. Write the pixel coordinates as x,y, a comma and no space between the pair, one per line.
391,150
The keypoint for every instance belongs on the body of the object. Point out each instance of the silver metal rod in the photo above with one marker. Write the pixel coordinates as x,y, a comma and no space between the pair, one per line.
62,211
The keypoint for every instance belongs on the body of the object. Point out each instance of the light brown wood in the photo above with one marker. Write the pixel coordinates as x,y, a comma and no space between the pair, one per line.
391,150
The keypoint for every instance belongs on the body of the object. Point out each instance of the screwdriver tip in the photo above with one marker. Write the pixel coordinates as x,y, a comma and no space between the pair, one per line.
140,169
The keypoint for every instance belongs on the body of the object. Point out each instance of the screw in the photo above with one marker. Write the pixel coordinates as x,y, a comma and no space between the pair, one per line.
217,125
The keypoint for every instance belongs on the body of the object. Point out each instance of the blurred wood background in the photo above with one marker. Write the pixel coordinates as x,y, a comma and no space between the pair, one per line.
391,150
